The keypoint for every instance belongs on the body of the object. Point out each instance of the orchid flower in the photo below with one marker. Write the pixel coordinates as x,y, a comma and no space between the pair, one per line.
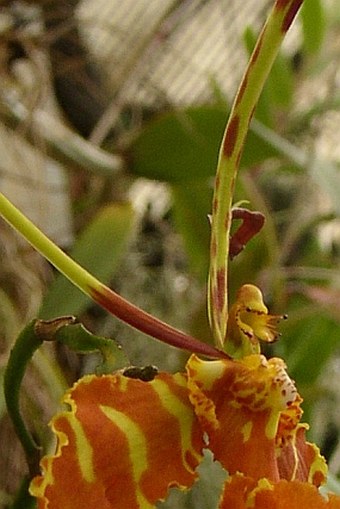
124,442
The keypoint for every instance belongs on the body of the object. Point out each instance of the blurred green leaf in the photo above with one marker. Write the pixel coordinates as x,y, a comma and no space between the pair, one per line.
327,175
183,146
312,340
332,485
313,25
99,249
191,205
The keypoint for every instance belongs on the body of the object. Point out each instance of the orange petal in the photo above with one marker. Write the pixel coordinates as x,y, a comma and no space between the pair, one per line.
236,491
123,443
300,460
239,404
243,493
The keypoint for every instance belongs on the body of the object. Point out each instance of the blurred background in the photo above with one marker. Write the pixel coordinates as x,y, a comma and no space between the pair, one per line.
111,116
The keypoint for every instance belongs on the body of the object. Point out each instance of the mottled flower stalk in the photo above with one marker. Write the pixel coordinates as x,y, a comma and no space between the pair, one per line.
97,291
266,49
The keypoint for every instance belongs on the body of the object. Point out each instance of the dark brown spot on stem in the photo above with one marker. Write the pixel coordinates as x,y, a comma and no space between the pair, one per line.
221,289
215,205
231,136
242,89
281,4
290,15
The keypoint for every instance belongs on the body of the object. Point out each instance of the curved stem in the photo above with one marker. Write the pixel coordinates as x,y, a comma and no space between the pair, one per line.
97,291
261,61
22,352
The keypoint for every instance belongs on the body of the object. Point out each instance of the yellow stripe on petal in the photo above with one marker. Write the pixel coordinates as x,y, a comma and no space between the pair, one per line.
300,460
185,419
318,469
123,444
272,424
137,448
246,430
84,450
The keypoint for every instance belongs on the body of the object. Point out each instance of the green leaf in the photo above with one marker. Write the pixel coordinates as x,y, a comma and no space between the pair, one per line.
312,341
191,206
99,249
183,146
313,25
80,340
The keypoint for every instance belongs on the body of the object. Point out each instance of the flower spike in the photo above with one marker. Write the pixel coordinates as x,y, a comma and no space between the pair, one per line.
264,54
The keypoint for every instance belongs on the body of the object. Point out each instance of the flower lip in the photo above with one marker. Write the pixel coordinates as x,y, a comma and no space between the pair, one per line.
249,321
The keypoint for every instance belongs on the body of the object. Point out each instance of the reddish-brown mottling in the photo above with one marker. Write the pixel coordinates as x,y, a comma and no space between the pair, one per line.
221,288
231,136
256,51
290,15
298,467
318,478
242,89
215,205
254,456
281,4
238,408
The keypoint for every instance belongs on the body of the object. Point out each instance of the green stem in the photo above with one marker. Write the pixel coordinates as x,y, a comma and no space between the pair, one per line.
27,343
261,61
23,499
97,291
79,276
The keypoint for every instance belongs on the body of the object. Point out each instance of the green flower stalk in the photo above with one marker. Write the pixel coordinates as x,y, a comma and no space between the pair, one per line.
97,291
261,61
